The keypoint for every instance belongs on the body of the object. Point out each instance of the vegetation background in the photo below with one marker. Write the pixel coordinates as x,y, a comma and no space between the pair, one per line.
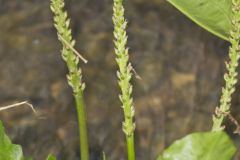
181,66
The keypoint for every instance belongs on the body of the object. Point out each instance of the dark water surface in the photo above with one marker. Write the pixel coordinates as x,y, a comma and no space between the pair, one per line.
181,66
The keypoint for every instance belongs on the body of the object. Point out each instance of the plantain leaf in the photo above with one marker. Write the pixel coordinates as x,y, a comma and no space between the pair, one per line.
212,15
201,146
8,151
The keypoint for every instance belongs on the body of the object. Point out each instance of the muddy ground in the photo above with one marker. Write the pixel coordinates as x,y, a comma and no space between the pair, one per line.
181,66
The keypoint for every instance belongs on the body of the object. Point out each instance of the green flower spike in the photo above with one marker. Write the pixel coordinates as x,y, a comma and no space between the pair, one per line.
124,74
71,57
231,76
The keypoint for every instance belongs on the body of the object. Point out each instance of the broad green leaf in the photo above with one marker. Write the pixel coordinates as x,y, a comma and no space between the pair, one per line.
213,15
51,157
8,151
201,146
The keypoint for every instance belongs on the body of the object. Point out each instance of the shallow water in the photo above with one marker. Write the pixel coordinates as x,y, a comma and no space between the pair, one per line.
180,64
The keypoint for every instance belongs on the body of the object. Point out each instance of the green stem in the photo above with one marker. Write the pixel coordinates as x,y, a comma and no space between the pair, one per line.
130,147
82,125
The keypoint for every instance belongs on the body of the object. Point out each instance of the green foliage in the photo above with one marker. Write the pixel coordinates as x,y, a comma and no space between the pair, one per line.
9,151
221,17
201,146
124,74
213,15
74,77
231,76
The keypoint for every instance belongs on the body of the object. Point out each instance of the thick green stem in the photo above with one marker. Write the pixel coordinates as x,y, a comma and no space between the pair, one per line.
82,125
130,147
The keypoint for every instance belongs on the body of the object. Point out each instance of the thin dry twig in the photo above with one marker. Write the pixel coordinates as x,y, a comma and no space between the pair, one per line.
74,50
233,120
18,105
134,72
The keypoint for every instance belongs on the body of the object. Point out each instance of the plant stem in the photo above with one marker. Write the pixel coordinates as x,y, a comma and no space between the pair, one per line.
82,127
71,57
230,76
130,147
124,75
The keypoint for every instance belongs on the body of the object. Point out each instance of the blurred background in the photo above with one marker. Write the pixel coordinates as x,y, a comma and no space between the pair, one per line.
181,66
